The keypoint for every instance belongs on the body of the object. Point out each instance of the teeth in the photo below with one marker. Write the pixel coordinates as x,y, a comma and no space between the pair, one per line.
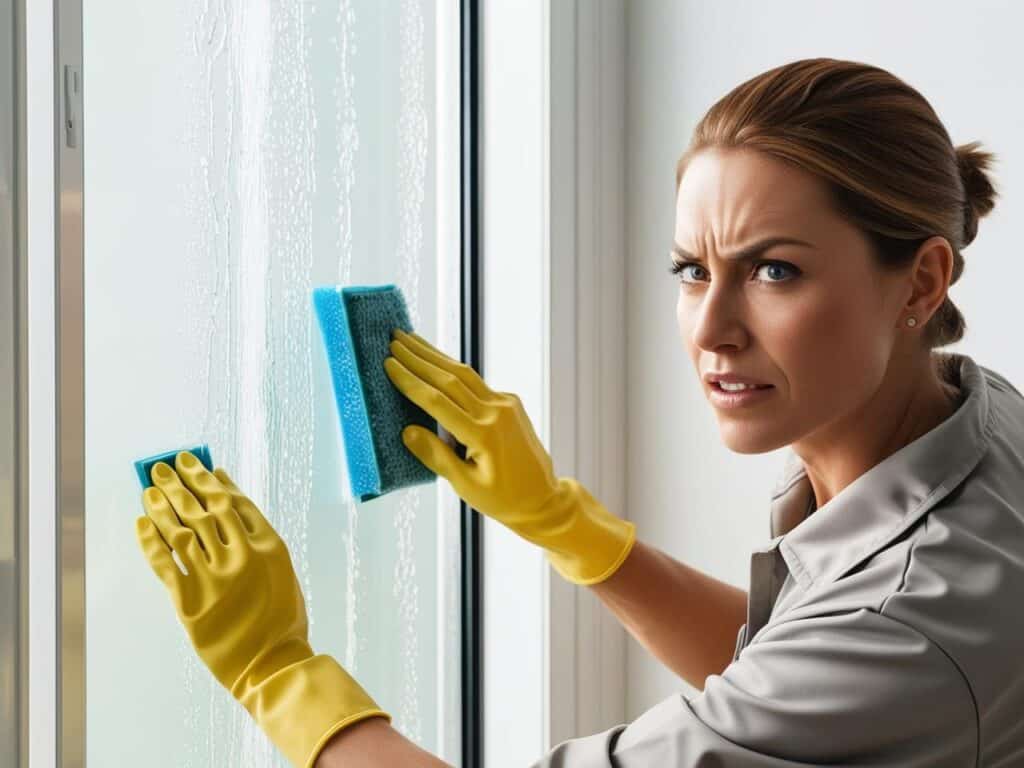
735,387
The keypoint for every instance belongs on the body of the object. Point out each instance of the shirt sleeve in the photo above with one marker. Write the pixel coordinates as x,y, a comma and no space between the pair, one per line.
852,688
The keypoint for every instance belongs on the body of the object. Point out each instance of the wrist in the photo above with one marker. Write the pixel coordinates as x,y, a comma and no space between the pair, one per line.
301,706
592,543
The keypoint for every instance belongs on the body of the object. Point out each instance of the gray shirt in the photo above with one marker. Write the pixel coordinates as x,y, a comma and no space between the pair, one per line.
882,629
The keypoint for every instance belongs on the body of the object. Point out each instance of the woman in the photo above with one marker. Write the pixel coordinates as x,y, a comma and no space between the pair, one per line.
821,212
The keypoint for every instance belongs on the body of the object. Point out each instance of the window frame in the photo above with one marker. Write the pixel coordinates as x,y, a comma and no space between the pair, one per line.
56,722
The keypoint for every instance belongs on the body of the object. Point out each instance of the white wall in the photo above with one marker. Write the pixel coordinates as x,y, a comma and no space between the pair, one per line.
686,491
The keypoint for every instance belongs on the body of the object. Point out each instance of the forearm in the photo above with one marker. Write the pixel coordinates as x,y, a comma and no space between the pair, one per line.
373,743
687,619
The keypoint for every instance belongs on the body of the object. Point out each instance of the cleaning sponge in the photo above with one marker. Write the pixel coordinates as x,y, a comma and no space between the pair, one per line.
356,323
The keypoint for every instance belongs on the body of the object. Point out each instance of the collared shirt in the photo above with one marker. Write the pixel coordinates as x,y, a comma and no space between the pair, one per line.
883,628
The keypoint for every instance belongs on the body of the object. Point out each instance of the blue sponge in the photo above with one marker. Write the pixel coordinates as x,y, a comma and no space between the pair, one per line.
356,322
144,467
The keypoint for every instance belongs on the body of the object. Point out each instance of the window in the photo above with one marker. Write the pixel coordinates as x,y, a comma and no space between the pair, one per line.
235,156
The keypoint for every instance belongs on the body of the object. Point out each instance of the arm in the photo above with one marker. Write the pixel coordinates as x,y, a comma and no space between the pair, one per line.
686,618
371,744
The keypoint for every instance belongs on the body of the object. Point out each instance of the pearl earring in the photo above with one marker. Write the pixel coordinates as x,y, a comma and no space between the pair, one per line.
911,321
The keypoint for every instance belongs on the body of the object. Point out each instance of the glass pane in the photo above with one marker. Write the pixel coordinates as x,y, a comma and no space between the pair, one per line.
237,154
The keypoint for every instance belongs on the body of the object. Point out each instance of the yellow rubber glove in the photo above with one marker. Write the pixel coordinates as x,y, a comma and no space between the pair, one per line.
507,473
243,609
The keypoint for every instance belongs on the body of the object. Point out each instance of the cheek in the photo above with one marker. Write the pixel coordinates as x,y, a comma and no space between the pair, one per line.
829,347
684,320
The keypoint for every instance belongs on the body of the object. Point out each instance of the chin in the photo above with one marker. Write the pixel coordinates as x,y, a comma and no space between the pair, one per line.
748,438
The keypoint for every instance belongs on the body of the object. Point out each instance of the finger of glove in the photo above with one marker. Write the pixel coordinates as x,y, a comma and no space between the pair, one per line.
255,523
158,554
212,494
232,528
465,373
435,454
188,508
179,537
439,378
433,401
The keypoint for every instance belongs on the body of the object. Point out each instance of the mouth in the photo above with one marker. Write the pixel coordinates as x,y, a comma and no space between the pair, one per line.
731,399
718,385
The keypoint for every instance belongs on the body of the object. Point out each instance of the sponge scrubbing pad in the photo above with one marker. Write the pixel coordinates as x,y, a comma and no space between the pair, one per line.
356,323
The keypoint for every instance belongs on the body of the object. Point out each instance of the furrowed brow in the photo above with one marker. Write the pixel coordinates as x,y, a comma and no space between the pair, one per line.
748,253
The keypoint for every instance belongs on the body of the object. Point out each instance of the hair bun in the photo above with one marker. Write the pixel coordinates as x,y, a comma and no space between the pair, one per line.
979,194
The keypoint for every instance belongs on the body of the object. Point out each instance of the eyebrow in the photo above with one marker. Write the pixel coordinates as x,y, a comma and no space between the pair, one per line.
745,254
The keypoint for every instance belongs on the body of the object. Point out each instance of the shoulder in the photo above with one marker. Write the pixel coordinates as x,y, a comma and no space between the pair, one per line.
827,677
963,580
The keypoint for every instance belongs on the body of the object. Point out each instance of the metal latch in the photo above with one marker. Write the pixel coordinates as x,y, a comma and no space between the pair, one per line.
72,104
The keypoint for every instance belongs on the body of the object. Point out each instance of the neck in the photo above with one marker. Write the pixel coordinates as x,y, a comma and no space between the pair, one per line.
905,407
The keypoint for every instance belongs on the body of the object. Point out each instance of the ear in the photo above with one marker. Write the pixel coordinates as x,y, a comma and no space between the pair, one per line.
930,277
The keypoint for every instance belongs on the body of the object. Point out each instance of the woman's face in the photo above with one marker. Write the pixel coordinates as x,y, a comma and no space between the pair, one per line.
817,322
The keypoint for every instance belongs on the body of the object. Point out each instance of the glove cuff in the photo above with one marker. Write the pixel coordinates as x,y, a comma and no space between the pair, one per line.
592,543
303,705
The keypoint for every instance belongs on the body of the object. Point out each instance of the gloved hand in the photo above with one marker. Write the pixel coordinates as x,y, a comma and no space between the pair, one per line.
243,609
507,474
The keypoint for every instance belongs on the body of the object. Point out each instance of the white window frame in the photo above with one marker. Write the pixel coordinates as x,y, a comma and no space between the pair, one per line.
554,265
41,136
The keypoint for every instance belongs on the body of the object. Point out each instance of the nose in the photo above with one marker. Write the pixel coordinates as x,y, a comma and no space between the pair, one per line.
716,321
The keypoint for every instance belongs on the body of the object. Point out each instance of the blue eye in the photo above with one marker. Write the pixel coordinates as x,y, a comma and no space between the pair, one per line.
678,266
777,265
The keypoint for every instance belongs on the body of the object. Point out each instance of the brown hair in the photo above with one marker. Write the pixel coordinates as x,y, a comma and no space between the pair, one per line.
889,163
